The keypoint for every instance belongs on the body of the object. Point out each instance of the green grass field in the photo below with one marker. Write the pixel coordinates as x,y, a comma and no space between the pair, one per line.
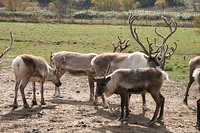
42,39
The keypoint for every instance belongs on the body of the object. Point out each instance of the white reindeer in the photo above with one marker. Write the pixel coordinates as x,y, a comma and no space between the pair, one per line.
29,68
137,59
137,81
75,64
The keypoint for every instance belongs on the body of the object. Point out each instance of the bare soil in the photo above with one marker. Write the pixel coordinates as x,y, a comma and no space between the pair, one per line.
75,113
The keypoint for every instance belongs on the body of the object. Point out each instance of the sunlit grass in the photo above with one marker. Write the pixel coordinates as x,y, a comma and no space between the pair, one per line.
43,38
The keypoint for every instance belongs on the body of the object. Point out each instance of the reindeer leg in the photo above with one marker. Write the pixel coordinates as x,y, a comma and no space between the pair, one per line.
123,102
34,102
145,108
157,99
91,84
56,91
127,97
22,86
59,93
42,92
188,87
105,104
162,108
15,105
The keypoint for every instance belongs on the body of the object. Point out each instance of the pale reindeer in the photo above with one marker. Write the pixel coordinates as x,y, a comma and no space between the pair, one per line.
75,64
137,81
194,70
137,59
10,46
29,68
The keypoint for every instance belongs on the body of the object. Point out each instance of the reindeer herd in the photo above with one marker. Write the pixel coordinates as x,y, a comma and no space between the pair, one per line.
120,73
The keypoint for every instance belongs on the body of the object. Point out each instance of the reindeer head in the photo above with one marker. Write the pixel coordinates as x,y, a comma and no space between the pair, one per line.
56,72
101,84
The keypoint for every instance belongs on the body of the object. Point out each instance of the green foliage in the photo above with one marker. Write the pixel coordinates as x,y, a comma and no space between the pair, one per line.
197,21
106,5
81,4
61,6
146,3
127,5
44,3
15,5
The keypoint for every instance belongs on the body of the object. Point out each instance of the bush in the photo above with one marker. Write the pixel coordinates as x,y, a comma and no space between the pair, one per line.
197,21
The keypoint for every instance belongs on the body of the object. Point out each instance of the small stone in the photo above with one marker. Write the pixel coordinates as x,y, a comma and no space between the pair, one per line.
49,129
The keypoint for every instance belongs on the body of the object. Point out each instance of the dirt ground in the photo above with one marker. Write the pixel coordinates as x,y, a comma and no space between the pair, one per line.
75,113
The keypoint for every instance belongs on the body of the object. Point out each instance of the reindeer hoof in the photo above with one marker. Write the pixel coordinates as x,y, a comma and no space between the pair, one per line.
185,102
60,96
43,103
152,121
106,106
34,102
121,119
15,106
91,99
26,106
159,118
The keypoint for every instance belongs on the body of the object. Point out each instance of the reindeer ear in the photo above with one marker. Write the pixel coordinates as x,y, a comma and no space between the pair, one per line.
108,78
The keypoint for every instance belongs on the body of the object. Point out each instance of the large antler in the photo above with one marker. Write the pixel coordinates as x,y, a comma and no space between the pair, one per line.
11,43
119,45
172,27
161,49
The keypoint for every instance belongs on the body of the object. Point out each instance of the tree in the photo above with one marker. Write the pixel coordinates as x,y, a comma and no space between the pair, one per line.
61,6
15,5
128,5
146,3
106,5
161,3
81,4
44,3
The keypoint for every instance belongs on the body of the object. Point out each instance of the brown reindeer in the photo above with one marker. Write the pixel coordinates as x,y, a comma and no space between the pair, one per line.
10,46
29,68
137,81
194,69
75,64
137,59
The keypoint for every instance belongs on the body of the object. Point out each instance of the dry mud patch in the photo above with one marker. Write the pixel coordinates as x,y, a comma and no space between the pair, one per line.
75,113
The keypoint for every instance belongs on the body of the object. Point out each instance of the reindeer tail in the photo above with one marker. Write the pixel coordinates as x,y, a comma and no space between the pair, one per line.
196,73
165,76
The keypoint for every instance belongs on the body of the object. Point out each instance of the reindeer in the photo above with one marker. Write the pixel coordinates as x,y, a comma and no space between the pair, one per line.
194,70
137,59
11,43
137,81
75,64
29,68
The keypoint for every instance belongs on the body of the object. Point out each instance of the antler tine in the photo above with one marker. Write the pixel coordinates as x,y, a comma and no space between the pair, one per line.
135,35
9,47
51,60
115,48
119,45
173,50
170,24
126,45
